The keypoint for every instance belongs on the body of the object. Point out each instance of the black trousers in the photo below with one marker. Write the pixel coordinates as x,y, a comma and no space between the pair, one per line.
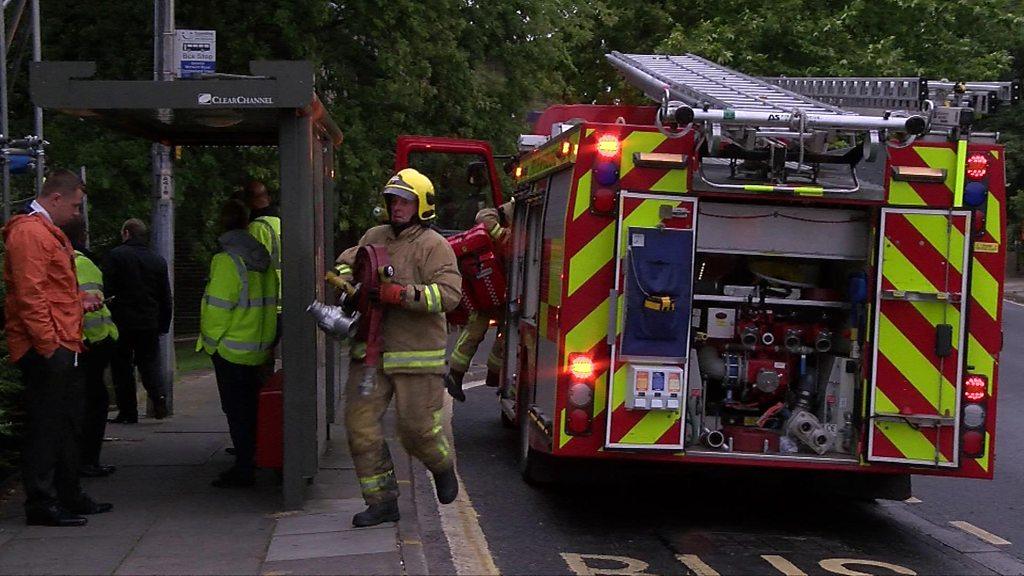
53,400
239,387
94,417
135,348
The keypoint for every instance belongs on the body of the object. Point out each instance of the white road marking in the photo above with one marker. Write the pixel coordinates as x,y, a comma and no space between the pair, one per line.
982,534
466,540
1008,301
473,384
912,500
698,566
783,566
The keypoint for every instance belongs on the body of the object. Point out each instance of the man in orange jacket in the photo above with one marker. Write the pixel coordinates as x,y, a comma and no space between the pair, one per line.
44,311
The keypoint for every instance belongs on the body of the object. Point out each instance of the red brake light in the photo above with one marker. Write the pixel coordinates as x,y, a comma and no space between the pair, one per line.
977,166
975,388
581,366
603,201
578,422
608,146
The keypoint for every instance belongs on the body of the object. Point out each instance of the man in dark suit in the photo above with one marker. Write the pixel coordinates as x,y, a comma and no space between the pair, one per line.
135,280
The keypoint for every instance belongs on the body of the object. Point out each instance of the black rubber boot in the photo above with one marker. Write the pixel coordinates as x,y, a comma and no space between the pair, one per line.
377,514
447,485
453,382
493,379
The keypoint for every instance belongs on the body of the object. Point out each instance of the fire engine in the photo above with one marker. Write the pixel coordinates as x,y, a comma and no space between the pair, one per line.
800,273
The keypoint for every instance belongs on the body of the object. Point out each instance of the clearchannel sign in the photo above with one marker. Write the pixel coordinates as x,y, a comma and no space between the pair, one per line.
208,99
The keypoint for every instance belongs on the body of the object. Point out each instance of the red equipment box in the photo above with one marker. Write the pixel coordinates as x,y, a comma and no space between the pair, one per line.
270,423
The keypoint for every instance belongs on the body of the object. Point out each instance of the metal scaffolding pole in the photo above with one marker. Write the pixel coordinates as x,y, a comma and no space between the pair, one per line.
4,125
163,183
37,56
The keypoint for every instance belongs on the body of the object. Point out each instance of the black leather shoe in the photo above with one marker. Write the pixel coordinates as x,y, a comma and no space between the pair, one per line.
54,516
447,485
160,408
95,471
453,382
122,419
86,505
377,514
234,479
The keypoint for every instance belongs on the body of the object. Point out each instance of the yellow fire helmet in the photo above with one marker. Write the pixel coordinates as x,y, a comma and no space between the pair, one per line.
412,185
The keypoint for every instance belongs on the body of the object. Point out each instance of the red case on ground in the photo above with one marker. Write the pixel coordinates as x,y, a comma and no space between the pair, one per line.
270,423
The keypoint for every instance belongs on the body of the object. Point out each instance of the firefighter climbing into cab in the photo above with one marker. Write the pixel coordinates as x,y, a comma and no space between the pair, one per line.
495,222
414,281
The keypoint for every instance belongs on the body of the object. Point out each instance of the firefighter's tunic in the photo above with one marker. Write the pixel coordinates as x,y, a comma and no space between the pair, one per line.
476,327
414,335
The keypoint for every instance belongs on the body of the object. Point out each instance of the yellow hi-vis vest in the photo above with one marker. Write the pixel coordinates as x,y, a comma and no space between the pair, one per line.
98,325
267,229
238,315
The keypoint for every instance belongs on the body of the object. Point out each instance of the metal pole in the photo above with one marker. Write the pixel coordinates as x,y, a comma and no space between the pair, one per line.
37,56
163,184
4,127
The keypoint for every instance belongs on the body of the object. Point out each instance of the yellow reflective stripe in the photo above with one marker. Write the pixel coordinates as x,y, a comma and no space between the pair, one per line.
961,166
414,359
903,193
433,295
985,290
940,157
909,441
652,426
637,141
442,440
918,369
582,195
585,263
901,272
994,218
378,482
591,330
936,228
672,181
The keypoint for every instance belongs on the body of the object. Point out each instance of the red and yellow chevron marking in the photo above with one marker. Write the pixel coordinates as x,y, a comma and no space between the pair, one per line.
984,316
938,155
920,253
589,254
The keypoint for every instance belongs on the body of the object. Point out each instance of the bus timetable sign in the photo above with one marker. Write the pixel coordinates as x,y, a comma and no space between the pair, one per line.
195,52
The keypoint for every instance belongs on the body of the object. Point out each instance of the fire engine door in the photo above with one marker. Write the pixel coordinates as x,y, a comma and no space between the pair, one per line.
919,337
654,275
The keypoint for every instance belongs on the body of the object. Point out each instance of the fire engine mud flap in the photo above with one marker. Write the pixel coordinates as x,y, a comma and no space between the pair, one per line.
919,337
653,297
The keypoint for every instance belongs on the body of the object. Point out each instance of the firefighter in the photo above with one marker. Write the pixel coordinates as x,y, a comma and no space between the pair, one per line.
237,326
265,225
426,283
496,220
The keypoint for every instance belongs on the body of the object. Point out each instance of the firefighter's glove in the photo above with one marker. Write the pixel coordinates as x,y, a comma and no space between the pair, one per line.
392,293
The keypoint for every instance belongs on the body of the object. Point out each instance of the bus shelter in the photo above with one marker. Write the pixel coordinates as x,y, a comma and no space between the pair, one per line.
275,106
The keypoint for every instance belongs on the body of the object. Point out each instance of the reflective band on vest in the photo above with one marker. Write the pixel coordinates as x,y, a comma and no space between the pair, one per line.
91,286
236,345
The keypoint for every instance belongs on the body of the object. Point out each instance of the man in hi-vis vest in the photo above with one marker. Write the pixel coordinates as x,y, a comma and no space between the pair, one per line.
237,326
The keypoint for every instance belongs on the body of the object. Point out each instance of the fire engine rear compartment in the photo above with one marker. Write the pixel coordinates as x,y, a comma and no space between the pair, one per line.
766,300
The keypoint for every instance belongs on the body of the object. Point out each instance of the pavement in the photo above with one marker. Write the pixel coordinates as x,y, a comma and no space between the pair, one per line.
1013,288
168,519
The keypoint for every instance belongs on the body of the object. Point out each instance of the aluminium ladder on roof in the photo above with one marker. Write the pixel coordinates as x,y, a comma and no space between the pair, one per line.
899,92
724,96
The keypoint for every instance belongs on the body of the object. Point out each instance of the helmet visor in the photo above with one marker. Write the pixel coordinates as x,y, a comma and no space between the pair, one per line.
404,193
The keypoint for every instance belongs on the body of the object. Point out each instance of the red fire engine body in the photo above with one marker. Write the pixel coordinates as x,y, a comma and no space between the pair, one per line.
707,283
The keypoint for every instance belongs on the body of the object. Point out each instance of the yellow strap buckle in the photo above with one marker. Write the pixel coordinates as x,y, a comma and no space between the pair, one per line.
660,303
